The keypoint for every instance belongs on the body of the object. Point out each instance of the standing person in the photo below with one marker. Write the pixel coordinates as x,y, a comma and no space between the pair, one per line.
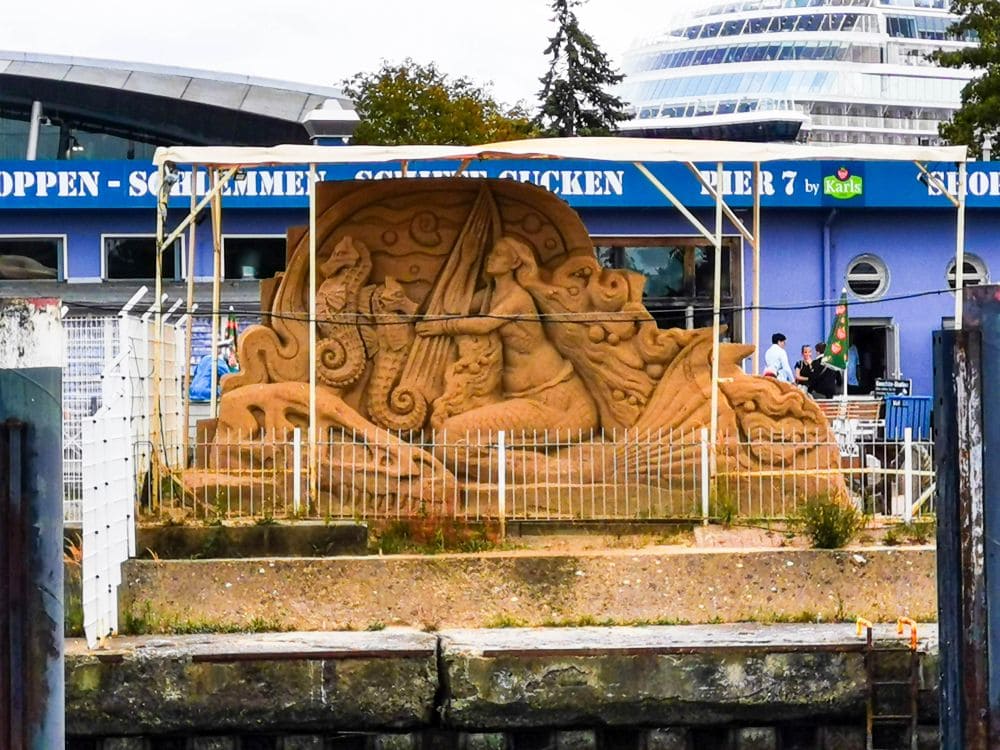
853,363
201,381
804,368
776,358
825,381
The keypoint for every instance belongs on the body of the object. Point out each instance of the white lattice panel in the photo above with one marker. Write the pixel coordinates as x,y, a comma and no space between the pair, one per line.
108,515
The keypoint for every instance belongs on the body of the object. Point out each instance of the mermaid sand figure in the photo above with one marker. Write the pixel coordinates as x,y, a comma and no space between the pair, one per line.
540,390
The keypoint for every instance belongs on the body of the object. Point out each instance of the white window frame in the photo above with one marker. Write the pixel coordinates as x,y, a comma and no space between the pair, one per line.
63,258
885,278
242,236
975,260
105,236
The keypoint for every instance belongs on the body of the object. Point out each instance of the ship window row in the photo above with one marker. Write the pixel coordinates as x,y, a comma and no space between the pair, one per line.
883,122
738,53
751,5
935,4
866,136
925,27
822,113
828,22
799,84
704,108
719,9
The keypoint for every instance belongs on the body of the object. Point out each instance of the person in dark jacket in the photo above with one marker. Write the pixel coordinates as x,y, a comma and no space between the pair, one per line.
824,381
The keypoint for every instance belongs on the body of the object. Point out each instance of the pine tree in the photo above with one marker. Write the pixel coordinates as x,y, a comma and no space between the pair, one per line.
574,96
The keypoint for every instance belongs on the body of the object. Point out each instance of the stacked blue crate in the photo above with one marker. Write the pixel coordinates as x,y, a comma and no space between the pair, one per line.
907,411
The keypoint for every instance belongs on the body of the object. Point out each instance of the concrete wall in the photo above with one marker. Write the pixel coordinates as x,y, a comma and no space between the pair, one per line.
739,687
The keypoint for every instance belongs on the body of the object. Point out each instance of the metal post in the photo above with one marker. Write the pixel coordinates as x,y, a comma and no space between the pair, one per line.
34,124
716,304
189,322
216,289
31,519
313,452
949,546
155,435
502,483
704,477
297,469
960,244
907,474
976,383
755,297
969,414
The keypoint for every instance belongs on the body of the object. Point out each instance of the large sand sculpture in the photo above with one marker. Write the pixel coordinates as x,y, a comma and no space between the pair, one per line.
463,307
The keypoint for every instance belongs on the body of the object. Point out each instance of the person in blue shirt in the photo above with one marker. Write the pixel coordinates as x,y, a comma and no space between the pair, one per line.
201,382
776,359
853,386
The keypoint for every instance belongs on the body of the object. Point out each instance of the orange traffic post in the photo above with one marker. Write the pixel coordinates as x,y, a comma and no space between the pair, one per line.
903,622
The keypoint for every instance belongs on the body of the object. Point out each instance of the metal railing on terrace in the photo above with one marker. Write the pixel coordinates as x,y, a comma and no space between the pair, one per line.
626,475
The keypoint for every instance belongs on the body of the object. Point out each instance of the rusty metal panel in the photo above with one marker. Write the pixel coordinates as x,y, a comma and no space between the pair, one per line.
32,546
949,563
969,416
982,308
14,630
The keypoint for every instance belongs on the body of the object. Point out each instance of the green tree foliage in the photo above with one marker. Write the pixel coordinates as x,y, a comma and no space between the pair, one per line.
980,110
574,96
409,103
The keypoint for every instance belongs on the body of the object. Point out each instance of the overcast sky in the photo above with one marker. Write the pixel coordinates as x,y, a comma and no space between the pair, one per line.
324,41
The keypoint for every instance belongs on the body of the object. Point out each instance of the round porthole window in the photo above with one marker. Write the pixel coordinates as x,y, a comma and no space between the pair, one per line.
867,276
974,272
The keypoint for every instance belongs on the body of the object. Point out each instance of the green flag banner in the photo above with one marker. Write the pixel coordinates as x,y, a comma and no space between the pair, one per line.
836,342
232,329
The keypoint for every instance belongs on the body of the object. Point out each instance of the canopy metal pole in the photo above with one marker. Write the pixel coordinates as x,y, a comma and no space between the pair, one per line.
313,453
716,304
189,323
155,438
674,201
729,213
960,245
755,294
216,287
205,199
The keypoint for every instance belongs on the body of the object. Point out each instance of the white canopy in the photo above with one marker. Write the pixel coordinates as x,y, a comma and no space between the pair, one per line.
635,150
600,149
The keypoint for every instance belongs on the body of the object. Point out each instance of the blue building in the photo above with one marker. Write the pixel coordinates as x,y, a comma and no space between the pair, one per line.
84,231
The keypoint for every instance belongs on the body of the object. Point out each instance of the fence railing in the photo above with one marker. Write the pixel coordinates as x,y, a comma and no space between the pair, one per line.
111,355
542,476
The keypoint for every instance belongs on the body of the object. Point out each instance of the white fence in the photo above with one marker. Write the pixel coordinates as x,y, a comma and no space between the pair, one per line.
91,344
108,516
616,475
121,347
543,476
109,461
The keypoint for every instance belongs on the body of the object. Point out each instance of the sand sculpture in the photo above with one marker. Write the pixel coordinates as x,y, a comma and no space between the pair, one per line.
457,308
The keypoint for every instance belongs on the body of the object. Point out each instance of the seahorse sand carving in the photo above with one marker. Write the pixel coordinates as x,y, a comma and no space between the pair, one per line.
477,305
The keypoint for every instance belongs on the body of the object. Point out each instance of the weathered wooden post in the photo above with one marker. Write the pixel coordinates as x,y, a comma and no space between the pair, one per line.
31,525
967,431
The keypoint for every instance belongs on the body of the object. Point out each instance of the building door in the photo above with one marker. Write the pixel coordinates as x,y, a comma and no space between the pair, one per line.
875,342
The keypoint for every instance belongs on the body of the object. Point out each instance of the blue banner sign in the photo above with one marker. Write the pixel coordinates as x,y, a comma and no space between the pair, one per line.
583,184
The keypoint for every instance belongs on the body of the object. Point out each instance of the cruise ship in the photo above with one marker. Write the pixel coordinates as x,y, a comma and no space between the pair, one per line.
829,71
